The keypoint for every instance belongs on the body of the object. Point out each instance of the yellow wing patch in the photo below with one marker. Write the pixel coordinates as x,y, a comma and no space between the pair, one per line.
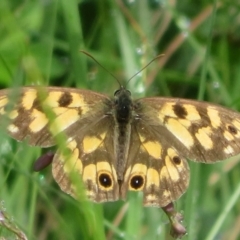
13,128
63,121
180,132
3,101
154,149
192,112
152,178
39,121
204,137
91,143
214,117
28,99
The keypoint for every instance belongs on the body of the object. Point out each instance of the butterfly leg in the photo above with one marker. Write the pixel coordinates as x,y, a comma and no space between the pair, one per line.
175,218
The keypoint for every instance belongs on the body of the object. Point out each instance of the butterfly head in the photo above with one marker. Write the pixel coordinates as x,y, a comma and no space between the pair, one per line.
123,104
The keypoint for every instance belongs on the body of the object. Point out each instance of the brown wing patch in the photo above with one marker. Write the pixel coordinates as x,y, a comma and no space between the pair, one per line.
180,110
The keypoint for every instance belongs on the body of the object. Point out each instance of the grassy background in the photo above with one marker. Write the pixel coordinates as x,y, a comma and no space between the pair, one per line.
39,45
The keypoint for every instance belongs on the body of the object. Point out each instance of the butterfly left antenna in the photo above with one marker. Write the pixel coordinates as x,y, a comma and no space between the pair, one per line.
158,56
95,60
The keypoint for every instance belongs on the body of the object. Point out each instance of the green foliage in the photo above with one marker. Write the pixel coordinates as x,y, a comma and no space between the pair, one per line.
40,43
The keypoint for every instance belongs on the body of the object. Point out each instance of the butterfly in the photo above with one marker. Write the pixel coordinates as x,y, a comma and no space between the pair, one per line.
118,144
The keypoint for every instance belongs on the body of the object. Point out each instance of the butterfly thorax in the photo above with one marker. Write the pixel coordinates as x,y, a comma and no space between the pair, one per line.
123,116
123,105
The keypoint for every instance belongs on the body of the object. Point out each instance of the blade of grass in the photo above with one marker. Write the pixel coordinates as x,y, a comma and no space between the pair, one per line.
224,214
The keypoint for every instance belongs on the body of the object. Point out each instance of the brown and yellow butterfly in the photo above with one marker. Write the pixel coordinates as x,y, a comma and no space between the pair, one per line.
118,144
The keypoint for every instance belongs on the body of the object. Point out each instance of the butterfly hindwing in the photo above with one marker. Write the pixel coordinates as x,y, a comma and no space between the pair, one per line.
91,157
154,167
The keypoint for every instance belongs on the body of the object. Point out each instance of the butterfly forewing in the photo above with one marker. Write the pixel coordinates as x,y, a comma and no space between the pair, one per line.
198,130
40,114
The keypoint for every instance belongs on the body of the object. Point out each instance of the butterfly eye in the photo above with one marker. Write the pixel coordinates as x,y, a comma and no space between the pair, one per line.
125,91
137,182
105,180
117,92
128,92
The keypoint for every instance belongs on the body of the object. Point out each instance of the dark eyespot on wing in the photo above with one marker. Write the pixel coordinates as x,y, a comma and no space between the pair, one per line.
177,160
137,182
105,180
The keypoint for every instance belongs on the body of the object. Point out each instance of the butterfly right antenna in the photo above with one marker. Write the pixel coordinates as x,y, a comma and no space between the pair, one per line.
158,56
